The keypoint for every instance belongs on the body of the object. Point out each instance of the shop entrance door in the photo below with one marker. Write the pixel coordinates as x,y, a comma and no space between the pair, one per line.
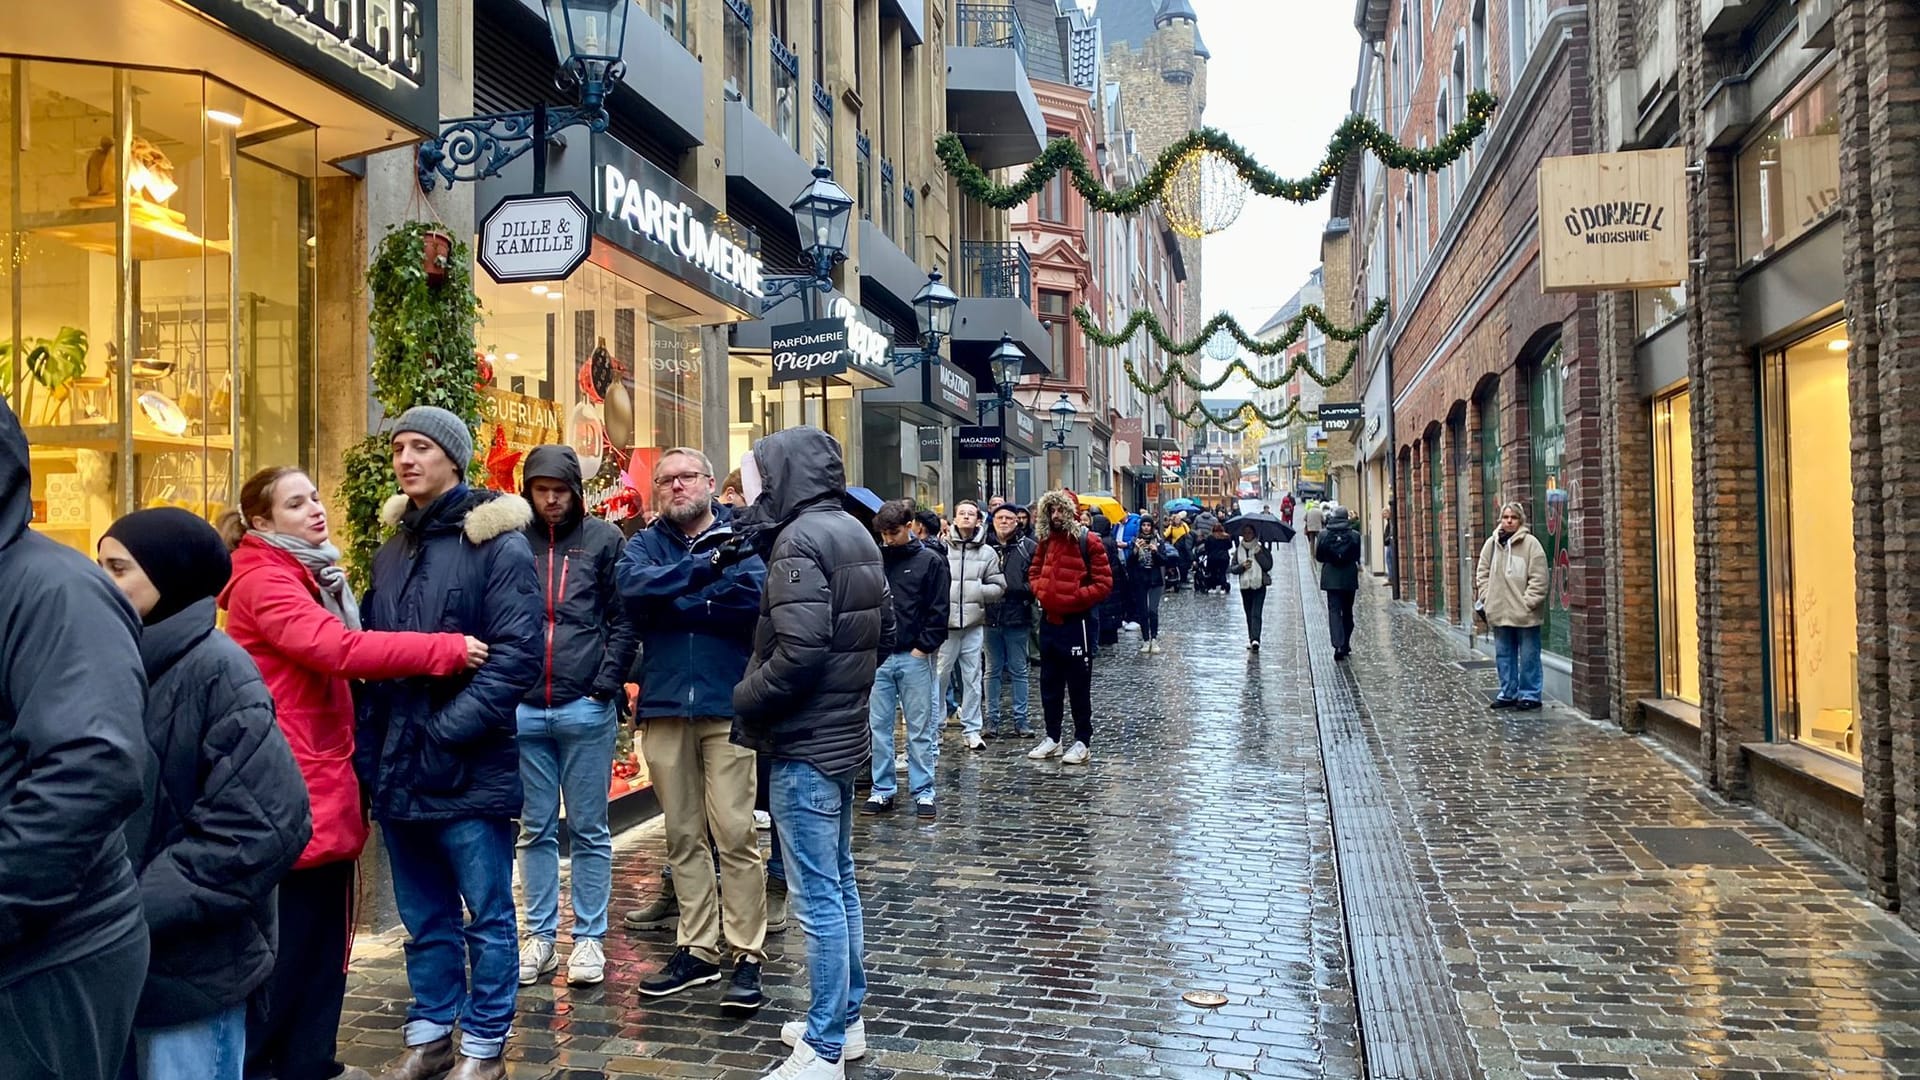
1462,501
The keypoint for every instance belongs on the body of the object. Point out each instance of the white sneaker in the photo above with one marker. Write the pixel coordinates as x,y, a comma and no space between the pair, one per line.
793,1031
1156,646
762,820
1146,649
1047,748
587,964
804,1064
1078,755
536,959
975,742
900,764
1129,626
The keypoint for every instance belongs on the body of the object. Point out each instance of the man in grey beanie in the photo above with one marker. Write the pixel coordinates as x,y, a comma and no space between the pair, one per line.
447,431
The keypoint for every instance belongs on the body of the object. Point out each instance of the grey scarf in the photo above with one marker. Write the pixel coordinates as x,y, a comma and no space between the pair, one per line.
323,562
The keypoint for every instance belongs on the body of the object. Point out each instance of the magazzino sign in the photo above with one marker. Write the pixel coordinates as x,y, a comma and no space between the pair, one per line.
1613,221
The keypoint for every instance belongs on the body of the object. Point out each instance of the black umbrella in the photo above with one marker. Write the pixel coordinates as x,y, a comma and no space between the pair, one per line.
1266,528
863,504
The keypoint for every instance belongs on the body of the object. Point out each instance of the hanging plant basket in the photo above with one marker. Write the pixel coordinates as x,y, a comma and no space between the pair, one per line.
436,254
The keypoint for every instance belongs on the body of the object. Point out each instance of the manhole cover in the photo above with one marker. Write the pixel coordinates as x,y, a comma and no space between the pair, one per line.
1710,846
1205,999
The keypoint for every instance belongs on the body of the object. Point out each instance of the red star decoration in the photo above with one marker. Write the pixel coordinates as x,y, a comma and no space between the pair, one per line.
501,462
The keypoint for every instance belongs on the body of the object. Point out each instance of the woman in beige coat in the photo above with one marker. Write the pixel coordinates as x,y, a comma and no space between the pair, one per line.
1510,589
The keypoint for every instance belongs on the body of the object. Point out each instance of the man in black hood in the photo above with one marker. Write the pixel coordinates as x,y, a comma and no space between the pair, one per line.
73,767
824,617
569,720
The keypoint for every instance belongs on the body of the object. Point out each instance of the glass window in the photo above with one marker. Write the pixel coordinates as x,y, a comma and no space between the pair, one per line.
1436,524
863,161
1053,199
1053,315
1673,507
1655,308
1490,476
671,15
1789,178
819,41
738,49
912,239
822,126
1810,543
1549,504
886,197
786,94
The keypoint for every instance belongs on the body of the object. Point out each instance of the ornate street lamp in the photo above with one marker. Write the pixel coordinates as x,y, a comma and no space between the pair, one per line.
934,304
1008,363
821,213
588,36
1063,413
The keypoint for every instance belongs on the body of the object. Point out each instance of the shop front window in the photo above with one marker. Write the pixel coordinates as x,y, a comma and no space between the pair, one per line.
758,407
1550,495
1673,522
1809,464
156,317
1789,177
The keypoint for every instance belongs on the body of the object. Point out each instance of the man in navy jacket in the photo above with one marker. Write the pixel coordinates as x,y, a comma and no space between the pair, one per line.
695,597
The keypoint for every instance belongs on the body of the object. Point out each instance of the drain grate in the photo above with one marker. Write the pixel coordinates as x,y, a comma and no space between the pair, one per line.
1708,846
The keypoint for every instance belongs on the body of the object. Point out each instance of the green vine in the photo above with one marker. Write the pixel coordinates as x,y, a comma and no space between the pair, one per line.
1178,370
1355,134
423,354
1223,321
1240,419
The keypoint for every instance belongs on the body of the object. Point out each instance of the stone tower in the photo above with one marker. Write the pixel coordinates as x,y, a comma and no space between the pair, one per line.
1156,55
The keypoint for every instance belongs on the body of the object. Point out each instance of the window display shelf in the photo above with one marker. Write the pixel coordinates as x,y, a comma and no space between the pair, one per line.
106,437
154,232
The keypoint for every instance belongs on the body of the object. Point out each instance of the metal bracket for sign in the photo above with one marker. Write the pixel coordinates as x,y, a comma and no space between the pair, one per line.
778,290
476,147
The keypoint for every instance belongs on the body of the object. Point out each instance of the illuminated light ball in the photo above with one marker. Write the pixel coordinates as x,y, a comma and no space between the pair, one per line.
1204,193
1221,346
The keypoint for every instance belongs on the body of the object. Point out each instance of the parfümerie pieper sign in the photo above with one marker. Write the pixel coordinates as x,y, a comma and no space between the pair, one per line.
810,350
535,238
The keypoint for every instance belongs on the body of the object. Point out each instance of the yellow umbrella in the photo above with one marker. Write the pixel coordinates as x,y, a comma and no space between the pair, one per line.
1106,504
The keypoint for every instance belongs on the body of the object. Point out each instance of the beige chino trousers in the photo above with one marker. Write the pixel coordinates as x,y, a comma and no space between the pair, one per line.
706,787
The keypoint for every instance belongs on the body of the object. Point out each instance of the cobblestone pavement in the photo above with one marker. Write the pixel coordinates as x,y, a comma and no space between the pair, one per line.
1576,950
1047,925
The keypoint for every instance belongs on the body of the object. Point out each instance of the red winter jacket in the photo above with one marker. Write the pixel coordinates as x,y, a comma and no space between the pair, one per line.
1061,581
306,655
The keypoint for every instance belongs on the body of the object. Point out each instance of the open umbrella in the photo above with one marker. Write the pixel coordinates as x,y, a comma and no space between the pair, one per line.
1104,502
863,504
1266,528
1174,506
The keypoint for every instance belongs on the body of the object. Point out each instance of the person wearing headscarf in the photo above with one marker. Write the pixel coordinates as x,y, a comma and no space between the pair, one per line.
227,813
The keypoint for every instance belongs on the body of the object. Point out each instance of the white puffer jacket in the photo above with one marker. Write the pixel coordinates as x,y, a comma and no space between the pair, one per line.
978,580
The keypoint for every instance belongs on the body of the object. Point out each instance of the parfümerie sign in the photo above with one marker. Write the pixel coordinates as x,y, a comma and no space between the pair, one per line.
1613,221
679,226
816,349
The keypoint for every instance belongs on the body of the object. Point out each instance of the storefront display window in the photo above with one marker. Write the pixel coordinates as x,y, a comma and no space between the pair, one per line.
1549,505
156,317
1789,177
1673,507
756,407
1810,543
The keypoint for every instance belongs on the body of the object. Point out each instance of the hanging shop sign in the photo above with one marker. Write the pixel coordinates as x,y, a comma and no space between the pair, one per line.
644,210
1026,429
535,238
932,441
1170,459
1340,415
381,52
978,443
1315,467
870,347
948,388
809,350
1613,221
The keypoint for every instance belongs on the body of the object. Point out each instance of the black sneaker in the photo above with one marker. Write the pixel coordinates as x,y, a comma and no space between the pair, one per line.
925,810
683,972
743,992
1527,704
875,804
1503,703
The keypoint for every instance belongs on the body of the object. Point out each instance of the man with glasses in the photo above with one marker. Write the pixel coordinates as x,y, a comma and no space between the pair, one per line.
695,593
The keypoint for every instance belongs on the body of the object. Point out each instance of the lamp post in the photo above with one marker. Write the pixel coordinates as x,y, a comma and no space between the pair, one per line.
821,213
1008,364
1061,412
934,304
588,36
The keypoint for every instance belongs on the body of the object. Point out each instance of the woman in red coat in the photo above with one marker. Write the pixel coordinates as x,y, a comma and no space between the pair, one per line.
288,604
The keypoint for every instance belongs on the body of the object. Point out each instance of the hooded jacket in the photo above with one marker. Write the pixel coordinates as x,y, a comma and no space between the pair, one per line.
695,620
589,637
824,615
1015,607
919,580
1511,579
1066,585
1338,551
307,655
73,757
976,580
443,749
227,819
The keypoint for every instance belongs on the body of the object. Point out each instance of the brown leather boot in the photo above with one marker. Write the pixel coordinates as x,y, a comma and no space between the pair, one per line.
428,1061
478,1069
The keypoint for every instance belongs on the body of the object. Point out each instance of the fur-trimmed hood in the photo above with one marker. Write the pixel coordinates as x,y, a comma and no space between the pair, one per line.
488,515
1043,514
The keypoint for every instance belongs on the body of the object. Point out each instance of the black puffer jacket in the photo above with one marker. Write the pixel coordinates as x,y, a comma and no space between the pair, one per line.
919,579
824,616
227,818
73,758
589,635
1015,607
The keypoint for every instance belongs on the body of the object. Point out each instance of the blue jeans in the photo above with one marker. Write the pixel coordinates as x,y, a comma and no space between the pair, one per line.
906,680
961,651
439,866
816,830
1516,655
567,752
213,1048
1007,658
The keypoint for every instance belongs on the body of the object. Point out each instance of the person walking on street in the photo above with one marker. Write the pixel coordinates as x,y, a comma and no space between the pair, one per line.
1252,566
919,580
569,721
1071,575
290,607
695,589
439,754
1338,552
227,815
1107,614
976,582
1181,537
1313,521
1510,586
1151,557
73,762
1009,623
804,699
1219,558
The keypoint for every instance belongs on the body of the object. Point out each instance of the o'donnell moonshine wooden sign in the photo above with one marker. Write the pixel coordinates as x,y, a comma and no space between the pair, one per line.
1613,221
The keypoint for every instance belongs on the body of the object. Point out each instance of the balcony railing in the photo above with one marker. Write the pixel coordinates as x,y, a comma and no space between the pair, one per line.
992,268
992,26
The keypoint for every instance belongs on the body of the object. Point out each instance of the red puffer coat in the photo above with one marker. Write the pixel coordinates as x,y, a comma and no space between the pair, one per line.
1064,585
307,655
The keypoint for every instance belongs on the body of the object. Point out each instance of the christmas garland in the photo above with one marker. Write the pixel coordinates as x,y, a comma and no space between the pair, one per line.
1356,133
1223,321
1240,419
1178,370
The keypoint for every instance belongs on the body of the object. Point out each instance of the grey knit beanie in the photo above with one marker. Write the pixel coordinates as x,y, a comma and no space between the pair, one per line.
448,431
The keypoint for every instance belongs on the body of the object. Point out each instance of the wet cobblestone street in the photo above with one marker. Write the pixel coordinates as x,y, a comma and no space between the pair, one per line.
1048,923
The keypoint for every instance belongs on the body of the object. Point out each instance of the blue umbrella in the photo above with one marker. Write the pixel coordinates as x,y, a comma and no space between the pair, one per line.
1174,506
862,503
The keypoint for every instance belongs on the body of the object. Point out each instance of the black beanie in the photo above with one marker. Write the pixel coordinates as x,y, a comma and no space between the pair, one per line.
182,555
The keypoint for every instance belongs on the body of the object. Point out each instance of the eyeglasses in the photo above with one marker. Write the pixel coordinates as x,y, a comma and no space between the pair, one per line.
684,479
